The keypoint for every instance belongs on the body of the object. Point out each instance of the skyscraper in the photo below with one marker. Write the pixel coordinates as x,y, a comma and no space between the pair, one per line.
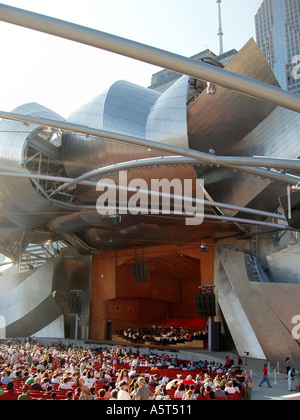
278,36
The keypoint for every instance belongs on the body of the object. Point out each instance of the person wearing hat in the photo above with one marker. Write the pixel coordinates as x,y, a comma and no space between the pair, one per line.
218,391
123,391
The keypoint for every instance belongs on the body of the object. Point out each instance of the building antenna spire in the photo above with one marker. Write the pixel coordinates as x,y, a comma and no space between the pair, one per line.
220,31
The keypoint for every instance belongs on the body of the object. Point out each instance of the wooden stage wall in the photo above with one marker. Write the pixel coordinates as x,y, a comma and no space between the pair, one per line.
174,276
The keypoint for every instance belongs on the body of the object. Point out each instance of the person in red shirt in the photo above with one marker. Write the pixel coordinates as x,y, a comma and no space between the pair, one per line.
227,363
203,395
10,393
265,377
101,395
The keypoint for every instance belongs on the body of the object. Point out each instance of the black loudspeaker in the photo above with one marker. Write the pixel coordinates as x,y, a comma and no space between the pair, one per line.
140,272
74,301
216,336
206,304
295,207
73,326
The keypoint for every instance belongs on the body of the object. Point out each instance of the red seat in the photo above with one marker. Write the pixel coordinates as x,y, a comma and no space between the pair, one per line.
171,393
11,396
234,397
45,397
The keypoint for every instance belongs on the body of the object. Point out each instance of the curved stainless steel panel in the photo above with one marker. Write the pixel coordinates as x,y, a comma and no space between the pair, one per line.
16,303
126,108
276,136
11,280
221,120
123,108
21,204
46,317
14,134
167,120
267,310
35,302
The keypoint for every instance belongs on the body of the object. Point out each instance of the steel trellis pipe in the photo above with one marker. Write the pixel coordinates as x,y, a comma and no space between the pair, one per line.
151,55
204,158
83,181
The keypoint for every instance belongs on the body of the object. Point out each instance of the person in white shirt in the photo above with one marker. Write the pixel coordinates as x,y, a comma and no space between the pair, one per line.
134,363
291,375
88,380
67,383
123,393
230,388
163,381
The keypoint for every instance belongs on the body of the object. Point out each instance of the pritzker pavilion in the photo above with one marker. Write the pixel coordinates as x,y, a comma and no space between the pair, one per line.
79,272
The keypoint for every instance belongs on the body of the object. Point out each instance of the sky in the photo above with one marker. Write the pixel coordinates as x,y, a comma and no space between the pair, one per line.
63,75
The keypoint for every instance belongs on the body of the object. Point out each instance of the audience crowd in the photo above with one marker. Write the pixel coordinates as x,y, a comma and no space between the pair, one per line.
30,370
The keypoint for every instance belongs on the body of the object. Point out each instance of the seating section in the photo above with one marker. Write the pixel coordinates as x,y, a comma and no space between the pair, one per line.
69,362
170,373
